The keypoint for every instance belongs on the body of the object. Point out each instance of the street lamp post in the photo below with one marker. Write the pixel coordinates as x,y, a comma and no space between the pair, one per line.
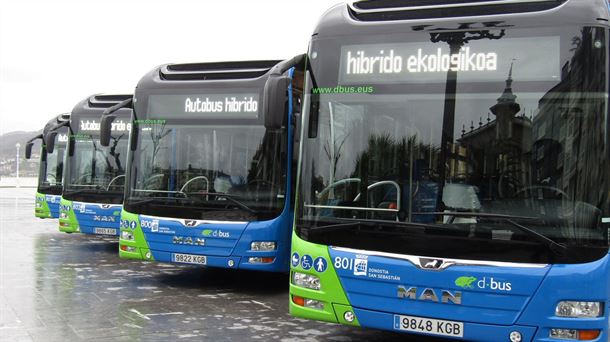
17,160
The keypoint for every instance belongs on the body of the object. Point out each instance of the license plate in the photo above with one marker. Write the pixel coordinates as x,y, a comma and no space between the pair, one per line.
429,326
189,259
105,231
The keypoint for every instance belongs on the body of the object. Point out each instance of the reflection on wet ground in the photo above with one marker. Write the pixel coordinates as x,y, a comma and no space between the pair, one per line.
60,287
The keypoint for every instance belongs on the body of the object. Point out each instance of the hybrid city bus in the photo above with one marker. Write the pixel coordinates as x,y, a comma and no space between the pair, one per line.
209,166
50,172
94,175
454,170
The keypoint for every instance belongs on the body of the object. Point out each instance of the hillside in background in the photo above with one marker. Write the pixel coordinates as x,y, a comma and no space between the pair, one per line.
8,151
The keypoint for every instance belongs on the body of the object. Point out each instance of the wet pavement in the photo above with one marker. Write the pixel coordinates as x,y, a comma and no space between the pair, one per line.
58,287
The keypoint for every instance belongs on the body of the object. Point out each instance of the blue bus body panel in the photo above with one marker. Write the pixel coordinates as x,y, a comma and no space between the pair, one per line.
495,299
53,203
578,282
219,241
219,238
95,215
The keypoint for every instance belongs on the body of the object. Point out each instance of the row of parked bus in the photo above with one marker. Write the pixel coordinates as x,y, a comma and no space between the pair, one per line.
431,167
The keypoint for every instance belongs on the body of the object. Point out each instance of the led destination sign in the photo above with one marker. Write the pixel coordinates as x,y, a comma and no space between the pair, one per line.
464,60
204,106
63,138
93,125
535,59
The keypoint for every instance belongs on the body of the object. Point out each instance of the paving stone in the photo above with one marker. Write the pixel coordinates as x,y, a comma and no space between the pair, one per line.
73,287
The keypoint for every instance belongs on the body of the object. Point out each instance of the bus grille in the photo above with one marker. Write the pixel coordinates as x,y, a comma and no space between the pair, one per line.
388,10
107,101
215,71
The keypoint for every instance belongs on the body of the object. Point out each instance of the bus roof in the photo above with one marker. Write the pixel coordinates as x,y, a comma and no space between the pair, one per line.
202,74
97,103
57,120
50,125
382,16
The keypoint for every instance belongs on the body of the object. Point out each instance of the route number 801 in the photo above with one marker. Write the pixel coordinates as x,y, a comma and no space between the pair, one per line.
344,263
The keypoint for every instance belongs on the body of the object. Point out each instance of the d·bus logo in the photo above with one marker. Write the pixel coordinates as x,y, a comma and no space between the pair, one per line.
217,233
469,282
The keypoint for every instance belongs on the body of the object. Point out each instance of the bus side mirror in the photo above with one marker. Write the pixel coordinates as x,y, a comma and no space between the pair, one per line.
275,101
107,119
50,141
314,116
133,137
106,129
28,149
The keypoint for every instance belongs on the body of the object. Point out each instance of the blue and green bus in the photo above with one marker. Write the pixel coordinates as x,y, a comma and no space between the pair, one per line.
454,170
210,165
50,172
94,175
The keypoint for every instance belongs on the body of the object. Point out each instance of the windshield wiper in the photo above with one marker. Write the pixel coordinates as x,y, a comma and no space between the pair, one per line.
96,189
155,199
550,243
231,198
336,226
354,223
171,201
193,201
476,214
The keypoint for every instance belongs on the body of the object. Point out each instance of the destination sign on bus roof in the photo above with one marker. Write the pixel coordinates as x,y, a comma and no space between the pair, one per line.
216,106
93,125
62,138
535,59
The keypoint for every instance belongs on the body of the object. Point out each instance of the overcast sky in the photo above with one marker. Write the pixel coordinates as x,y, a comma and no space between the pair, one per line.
55,53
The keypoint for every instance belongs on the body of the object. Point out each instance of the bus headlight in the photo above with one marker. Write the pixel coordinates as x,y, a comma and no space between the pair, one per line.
262,246
38,204
125,235
575,309
63,215
306,280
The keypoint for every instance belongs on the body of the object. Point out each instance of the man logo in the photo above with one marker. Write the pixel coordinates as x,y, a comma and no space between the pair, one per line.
103,218
429,294
187,240
190,223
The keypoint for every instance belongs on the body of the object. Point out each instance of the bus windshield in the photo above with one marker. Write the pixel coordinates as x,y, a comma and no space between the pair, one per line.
489,144
51,166
196,170
94,168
